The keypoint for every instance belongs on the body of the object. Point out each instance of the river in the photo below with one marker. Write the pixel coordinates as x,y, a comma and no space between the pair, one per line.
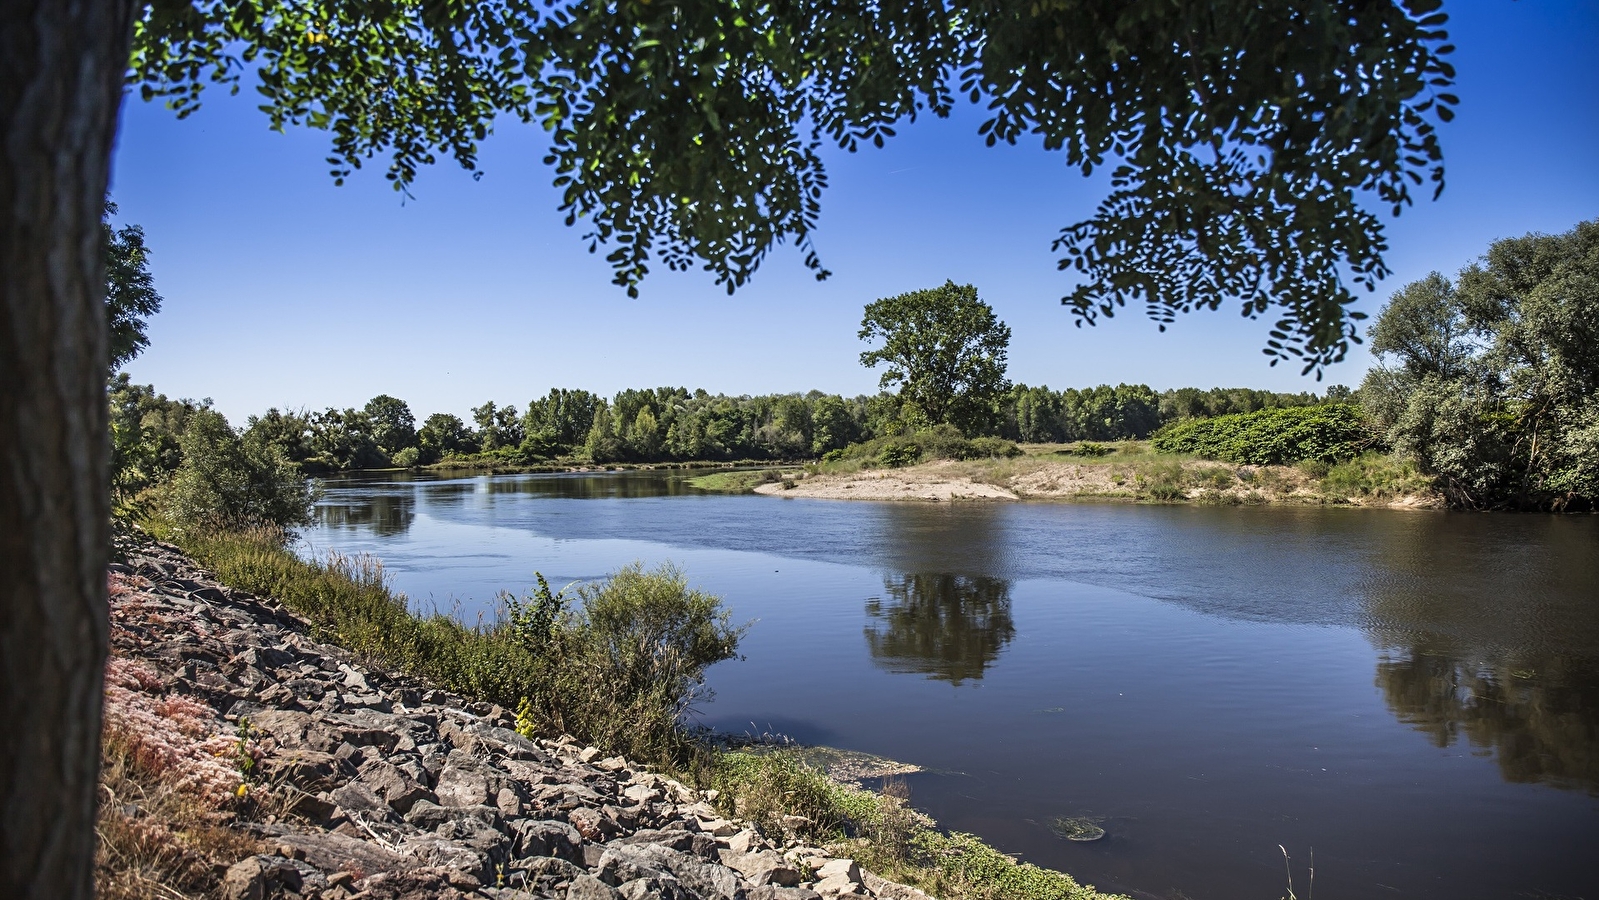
1411,696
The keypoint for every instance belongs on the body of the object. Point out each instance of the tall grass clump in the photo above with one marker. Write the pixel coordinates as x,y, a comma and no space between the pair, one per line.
1378,476
617,668
1328,433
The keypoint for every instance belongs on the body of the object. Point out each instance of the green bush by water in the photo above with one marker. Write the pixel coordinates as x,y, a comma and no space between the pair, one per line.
1328,433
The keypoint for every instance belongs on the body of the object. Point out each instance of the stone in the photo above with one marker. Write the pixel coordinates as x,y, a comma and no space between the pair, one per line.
845,868
359,799
773,892
249,878
464,781
547,838
330,852
509,803
888,890
762,867
307,769
641,793
839,886
591,823
742,841
587,887
398,788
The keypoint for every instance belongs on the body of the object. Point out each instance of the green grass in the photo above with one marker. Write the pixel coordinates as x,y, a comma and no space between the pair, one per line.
735,482
880,831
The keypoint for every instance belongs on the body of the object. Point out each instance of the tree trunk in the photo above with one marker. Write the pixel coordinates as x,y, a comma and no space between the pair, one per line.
61,65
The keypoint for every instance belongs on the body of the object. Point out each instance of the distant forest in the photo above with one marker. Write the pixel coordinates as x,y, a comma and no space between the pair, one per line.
670,424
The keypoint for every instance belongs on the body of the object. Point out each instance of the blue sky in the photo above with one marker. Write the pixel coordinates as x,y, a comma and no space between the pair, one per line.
283,290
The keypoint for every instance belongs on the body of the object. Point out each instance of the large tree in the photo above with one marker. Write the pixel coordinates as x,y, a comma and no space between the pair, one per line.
1492,382
1241,134
945,350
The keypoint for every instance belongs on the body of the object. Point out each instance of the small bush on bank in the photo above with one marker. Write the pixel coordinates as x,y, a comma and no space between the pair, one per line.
940,442
1327,433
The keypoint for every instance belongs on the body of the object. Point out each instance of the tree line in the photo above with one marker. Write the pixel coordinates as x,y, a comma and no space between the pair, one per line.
665,424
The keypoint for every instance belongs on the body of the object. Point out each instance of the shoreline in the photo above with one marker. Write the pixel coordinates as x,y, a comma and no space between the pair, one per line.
1200,482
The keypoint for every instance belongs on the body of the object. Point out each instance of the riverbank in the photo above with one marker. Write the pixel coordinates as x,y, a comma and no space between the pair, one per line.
245,758
1375,481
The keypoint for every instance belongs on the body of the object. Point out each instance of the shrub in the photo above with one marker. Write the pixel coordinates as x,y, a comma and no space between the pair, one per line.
1087,448
939,442
229,481
408,457
1329,433
991,448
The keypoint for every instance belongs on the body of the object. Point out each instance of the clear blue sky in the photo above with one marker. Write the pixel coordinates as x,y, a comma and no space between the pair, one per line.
283,290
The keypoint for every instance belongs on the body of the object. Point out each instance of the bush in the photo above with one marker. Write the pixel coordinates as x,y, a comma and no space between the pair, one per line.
231,482
1327,433
408,457
896,454
1087,448
991,448
938,442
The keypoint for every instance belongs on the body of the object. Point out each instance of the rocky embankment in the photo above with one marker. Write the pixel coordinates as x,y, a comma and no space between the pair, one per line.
387,788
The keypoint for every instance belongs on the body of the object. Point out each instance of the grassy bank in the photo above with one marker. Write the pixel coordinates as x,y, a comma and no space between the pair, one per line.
583,669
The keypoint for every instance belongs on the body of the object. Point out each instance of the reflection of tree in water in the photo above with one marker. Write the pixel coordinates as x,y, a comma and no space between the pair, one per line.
949,627
1541,721
386,514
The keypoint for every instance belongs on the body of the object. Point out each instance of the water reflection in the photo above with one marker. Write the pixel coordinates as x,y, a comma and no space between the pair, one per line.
1487,640
1537,718
948,627
384,513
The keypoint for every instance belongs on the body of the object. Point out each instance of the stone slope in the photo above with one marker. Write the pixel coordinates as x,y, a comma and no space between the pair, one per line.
400,790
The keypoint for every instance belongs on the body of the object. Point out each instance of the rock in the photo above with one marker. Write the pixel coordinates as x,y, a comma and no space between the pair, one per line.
465,781
641,793
509,803
592,824
839,886
256,877
889,890
762,867
331,852
587,887
307,769
398,788
845,868
773,892
361,800
547,838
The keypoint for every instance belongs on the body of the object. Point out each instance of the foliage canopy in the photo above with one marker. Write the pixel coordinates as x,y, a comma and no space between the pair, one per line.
1492,381
946,351
130,295
1241,134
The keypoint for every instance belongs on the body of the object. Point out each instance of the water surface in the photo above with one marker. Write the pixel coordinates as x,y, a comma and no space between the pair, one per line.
1414,696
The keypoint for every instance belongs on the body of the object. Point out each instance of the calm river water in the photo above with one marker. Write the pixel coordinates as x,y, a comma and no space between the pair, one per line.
1414,696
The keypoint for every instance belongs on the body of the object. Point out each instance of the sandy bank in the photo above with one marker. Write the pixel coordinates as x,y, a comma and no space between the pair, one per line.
1041,479
929,482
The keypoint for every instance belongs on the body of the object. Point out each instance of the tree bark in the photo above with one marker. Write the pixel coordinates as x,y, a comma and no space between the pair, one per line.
61,66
